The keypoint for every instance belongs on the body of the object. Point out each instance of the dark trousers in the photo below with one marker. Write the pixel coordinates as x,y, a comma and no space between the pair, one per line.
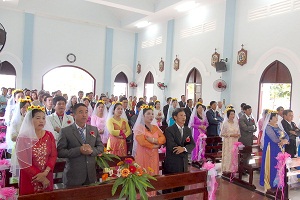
291,148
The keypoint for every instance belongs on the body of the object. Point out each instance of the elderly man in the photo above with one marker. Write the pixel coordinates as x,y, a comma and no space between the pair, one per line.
80,143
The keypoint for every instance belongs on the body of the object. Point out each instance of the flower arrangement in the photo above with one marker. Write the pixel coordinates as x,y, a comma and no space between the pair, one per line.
6,192
104,157
161,85
36,107
212,183
132,177
132,84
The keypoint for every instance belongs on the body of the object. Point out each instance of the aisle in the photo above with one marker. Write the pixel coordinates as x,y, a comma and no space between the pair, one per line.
229,191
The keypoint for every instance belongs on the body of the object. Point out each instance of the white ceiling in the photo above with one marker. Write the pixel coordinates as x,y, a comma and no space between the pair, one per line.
123,14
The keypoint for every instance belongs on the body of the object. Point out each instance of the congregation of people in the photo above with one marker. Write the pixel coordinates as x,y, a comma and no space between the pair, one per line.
44,127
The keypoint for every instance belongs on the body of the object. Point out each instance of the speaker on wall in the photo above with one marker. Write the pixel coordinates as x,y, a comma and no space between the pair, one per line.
221,66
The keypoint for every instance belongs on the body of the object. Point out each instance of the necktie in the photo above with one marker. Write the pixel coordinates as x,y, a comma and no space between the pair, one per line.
249,119
81,133
60,119
49,112
181,132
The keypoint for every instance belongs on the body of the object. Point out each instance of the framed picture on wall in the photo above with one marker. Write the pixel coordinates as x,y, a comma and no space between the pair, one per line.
161,65
138,68
215,57
242,56
176,63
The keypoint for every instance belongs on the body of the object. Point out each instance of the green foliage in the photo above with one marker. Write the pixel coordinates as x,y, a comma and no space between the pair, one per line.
280,91
133,180
102,159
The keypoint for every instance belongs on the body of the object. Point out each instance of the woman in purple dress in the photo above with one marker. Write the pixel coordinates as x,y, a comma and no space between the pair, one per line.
198,123
98,119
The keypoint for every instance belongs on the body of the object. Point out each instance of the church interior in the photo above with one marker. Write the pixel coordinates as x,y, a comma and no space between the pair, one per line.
228,51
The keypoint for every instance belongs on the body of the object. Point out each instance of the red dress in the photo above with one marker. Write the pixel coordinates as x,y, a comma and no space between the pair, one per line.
43,154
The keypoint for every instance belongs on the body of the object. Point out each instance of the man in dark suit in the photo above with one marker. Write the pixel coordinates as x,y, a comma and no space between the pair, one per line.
247,126
214,119
165,111
80,144
179,143
182,103
129,113
188,111
292,130
48,101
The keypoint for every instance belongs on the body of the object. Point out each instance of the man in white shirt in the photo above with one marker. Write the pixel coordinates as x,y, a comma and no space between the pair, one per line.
59,119
280,110
220,108
80,97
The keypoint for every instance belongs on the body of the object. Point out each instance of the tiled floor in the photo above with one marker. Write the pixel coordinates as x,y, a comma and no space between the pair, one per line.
294,193
230,191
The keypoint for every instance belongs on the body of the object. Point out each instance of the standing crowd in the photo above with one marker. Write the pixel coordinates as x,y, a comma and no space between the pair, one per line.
43,127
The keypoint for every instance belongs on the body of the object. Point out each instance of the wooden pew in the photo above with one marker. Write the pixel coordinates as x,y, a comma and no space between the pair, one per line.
103,191
213,149
249,162
162,157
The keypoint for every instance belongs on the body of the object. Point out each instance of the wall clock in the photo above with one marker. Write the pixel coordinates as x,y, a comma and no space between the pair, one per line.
71,58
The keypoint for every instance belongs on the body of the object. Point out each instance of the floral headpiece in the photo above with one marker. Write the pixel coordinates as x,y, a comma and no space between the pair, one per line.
16,90
101,101
114,102
198,103
86,98
145,106
25,100
157,101
30,108
174,99
272,111
229,108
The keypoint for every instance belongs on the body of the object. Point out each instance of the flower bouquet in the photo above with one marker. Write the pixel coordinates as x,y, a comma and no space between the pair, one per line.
104,157
132,177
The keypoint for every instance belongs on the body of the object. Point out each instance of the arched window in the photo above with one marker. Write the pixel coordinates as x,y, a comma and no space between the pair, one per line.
275,87
120,84
193,85
149,85
69,79
7,75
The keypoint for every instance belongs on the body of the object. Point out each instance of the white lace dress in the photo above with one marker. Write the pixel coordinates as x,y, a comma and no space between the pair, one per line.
228,130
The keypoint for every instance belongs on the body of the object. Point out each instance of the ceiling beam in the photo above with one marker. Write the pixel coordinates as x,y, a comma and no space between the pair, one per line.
130,8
